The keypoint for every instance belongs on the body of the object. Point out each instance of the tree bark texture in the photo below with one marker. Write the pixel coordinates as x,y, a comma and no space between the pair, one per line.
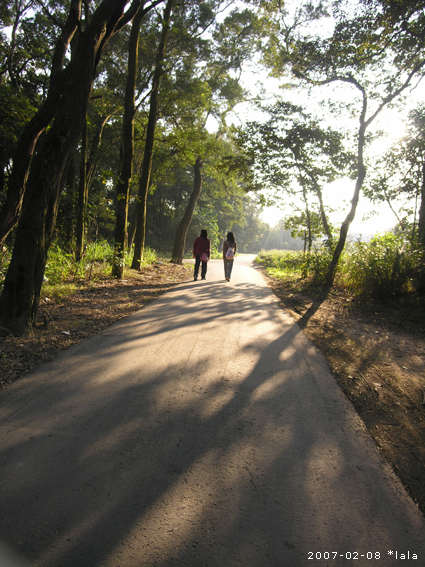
22,287
10,211
421,220
123,185
140,235
361,174
180,238
82,198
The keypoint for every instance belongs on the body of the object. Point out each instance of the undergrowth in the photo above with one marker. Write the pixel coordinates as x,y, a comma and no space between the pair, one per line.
385,269
63,274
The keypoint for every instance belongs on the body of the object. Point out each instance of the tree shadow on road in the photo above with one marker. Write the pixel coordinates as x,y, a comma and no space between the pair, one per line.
208,459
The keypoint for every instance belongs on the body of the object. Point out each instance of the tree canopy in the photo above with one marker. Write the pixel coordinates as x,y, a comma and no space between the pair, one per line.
106,108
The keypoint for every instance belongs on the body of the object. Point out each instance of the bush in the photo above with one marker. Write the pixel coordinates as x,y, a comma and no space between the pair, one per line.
149,257
313,265
59,265
381,269
316,265
281,263
5,256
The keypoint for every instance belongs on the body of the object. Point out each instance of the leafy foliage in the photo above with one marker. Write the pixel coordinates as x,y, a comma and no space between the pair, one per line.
383,269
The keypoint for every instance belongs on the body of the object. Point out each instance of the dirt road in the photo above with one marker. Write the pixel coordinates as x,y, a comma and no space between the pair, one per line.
203,430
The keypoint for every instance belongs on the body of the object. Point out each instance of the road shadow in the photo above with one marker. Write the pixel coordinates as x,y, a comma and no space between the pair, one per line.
193,462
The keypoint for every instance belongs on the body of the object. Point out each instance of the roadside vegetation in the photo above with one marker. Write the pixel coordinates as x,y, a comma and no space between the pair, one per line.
64,275
387,269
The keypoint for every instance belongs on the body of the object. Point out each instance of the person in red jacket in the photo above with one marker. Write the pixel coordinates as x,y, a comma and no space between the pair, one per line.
201,253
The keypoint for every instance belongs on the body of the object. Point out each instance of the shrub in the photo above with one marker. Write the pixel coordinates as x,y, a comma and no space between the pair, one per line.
381,269
281,263
149,256
316,265
313,265
5,256
59,265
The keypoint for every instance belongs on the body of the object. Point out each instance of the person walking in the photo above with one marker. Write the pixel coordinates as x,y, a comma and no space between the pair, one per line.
201,253
229,251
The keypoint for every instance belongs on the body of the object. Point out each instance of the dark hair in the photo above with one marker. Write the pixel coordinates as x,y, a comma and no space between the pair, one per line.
231,237
204,233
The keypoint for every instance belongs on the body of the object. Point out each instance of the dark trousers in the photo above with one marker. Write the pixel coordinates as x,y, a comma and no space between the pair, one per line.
203,269
228,265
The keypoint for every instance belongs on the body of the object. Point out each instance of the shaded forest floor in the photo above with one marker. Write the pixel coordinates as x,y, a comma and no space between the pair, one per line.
378,363
378,358
74,318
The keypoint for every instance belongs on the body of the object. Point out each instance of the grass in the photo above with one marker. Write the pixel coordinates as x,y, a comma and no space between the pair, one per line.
385,269
63,275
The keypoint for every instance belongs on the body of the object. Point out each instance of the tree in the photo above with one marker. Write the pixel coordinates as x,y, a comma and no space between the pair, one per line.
250,229
398,178
377,66
150,136
9,213
233,41
180,238
123,184
21,292
293,153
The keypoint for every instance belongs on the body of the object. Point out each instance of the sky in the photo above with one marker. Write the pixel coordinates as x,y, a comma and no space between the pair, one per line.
370,218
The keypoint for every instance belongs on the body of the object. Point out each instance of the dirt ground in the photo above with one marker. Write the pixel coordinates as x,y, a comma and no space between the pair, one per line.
379,364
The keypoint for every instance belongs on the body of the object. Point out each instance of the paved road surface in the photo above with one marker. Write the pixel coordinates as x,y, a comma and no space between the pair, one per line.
204,430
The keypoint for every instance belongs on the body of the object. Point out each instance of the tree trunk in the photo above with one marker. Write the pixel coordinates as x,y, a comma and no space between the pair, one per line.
361,174
325,223
92,161
70,184
9,214
421,220
123,185
22,287
132,229
139,238
180,238
308,240
82,198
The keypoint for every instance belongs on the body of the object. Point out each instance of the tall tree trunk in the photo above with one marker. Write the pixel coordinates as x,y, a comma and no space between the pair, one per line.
123,185
421,220
87,171
82,198
139,238
361,174
132,229
10,211
22,287
308,235
180,238
92,161
70,184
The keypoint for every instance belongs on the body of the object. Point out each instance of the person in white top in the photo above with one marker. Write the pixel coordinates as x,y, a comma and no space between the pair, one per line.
229,252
